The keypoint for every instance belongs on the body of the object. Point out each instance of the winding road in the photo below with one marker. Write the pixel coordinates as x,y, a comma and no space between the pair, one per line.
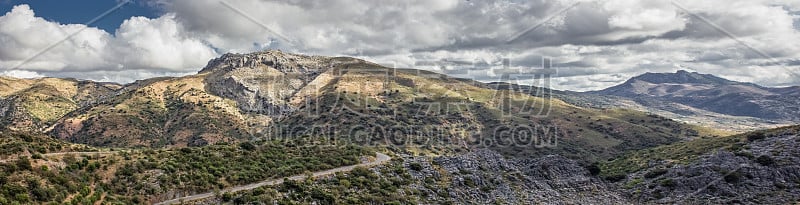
380,158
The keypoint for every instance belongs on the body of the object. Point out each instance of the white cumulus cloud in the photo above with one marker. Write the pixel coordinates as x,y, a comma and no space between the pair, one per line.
160,45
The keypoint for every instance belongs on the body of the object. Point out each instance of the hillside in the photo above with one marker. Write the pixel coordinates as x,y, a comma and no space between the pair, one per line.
33,105
272,94
14,144
155,113
755,167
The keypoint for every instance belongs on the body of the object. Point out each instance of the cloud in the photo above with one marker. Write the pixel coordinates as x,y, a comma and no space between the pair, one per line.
21,74
594,44
161,43
35,44
120,76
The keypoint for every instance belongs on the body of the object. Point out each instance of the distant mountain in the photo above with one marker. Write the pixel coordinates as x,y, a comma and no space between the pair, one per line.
681,77
701,99
710,93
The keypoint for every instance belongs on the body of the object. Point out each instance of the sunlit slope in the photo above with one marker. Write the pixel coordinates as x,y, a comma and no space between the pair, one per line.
33,105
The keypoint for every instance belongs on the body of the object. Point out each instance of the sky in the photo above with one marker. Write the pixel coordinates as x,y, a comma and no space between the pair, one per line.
592,44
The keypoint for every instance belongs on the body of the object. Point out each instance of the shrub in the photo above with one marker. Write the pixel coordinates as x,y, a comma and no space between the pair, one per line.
227,196
24,164
415,166
756,136
632,183
594,170
22,197
667,183
733,177
247,146
615,177
765,160
655,173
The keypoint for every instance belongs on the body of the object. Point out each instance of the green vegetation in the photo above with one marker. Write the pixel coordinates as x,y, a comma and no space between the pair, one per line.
13,144
218,166
146,175
79,182
360,186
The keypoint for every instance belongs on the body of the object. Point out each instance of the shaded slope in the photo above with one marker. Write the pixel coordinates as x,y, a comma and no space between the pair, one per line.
711,93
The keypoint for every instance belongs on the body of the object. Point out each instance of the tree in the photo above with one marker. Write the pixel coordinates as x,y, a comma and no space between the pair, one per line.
22,198
23,163
733,177
765,160
415,166
594,169
247,146
227,196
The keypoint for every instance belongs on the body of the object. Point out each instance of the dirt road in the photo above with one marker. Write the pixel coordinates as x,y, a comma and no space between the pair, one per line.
380,158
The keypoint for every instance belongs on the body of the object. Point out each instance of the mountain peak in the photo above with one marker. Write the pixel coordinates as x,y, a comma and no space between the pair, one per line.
681,77
282,61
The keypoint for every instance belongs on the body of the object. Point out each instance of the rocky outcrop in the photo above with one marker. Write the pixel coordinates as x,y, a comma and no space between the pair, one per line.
762,172
486,177
264,83
283,62
14,117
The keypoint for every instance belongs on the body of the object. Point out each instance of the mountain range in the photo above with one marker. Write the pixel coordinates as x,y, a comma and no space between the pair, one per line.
700,99
239,97
710,93
452,140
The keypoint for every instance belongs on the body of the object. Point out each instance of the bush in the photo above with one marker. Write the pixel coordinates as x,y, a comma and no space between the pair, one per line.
247,146
615,177
594,169
667,183
227,196
765,160
756,136
24,164
415,166
733,177
22,197
655,173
